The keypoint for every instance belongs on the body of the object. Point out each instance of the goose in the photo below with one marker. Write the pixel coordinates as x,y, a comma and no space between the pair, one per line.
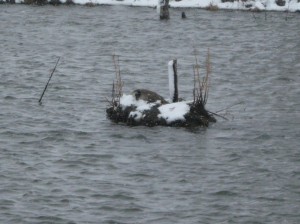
152,97
148,95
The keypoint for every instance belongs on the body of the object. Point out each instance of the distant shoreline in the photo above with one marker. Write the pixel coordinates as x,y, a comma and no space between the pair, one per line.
212,5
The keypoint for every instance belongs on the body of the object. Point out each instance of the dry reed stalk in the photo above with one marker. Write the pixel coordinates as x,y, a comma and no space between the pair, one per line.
194,90
201,88
117,86
197,82
205,82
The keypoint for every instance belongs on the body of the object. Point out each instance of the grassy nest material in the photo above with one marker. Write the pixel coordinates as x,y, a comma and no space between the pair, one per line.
127,109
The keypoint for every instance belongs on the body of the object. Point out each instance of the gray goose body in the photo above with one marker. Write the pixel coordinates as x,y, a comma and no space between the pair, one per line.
149,96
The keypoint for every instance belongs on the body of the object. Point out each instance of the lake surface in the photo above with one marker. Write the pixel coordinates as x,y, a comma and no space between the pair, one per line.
65,162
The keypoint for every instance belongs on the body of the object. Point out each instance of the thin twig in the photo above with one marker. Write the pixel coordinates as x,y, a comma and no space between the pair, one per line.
229,106
218,115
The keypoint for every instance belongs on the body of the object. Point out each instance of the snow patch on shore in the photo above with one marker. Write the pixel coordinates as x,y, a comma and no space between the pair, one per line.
269,5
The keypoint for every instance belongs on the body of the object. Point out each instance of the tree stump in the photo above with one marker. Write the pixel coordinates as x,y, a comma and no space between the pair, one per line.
163,9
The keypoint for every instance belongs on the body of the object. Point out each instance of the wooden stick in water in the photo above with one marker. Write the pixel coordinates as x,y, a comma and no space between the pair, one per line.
40,100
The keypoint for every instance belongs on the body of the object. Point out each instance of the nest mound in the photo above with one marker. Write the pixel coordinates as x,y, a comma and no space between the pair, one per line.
139,112
145,107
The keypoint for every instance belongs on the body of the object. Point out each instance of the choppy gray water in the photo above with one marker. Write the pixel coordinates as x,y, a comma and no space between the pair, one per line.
64,162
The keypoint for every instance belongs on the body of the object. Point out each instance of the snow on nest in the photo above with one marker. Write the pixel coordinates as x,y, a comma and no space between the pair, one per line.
129,100
174,111
170,112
